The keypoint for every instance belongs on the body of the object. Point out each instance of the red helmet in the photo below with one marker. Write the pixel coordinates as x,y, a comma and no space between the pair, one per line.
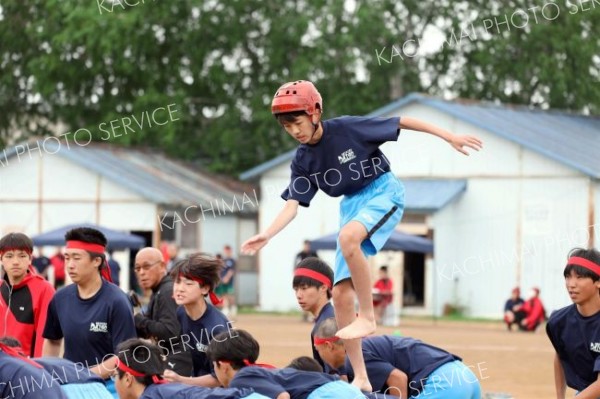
300,95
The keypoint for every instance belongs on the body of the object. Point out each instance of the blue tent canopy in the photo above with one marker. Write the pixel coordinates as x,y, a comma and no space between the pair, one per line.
116,239
398,241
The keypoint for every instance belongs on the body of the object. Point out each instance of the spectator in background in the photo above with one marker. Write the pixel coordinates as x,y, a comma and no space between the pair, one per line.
513,309
115,268
159,322
305,253
226,288
40,262
58,263
173,256
382,294
534,310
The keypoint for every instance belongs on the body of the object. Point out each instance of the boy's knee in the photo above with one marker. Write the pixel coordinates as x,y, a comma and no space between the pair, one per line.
342,293
349,242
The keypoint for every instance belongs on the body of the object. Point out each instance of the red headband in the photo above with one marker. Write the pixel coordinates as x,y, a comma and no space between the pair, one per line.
586,263
96,248
15,353
320,277
213,297
320,340
155,378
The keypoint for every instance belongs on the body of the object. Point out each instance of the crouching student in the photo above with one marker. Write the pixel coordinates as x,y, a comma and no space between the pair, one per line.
402,366
234,359
139,376
75,380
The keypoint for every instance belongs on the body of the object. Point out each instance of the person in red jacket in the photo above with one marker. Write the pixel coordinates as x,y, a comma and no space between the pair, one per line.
382,294
534,311
24,295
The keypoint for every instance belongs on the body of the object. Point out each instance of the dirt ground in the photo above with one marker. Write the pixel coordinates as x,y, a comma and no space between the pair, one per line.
519,364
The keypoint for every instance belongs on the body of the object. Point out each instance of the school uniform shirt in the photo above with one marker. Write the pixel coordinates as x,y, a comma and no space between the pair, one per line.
183,391
228,264
23,310
324,314
576,340
346,159
66,372
272,382
160,322
92,328
413,357
197,334
21,380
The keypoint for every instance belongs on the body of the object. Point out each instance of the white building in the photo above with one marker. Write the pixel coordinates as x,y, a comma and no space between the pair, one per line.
505,216
46,185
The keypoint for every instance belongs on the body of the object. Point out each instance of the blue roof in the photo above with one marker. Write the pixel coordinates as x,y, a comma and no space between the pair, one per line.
570,139
429,196
151,175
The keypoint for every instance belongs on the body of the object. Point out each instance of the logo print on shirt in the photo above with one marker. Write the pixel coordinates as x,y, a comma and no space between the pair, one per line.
346,156
200,347
98,326
22,308
595,346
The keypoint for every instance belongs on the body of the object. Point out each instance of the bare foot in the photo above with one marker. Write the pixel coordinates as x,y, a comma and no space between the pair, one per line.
359,328
363,384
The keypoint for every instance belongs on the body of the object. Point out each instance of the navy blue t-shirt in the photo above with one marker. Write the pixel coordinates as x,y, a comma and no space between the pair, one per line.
228,264
325,313
272,382
183,391
20,380
346,159
415,358
92,328
66,372
576,340
199,333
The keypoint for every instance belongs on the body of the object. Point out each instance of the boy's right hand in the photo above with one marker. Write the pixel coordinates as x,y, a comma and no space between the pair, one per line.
253,244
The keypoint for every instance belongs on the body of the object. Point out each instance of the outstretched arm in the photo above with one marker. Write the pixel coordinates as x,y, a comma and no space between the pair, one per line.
559,379
456,141
287,214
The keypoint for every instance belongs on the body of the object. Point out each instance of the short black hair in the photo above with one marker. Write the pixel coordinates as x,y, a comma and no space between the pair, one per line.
383,269
16,241
142,357
590,254
237,347
199,265
316,265
305,363
289,117
92,236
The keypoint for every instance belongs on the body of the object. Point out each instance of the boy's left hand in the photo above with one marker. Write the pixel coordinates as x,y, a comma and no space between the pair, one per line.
458,142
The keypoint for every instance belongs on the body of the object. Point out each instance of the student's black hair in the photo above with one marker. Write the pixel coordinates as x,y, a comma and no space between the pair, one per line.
11,342
199,265
383,269
89,235
289,117
590,254
305,363
318,266
16,241
237,347
142,357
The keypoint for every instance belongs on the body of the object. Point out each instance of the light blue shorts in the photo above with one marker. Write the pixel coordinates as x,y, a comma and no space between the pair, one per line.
256,396
110,385
91,390
452,380
379,207
336,390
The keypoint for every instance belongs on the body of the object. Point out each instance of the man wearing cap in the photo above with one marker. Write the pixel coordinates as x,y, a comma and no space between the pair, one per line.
92,315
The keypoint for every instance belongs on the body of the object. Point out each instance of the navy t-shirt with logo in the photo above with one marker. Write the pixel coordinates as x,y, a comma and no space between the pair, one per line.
346,159
92,328
197,334
413,357
576,340
271,382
